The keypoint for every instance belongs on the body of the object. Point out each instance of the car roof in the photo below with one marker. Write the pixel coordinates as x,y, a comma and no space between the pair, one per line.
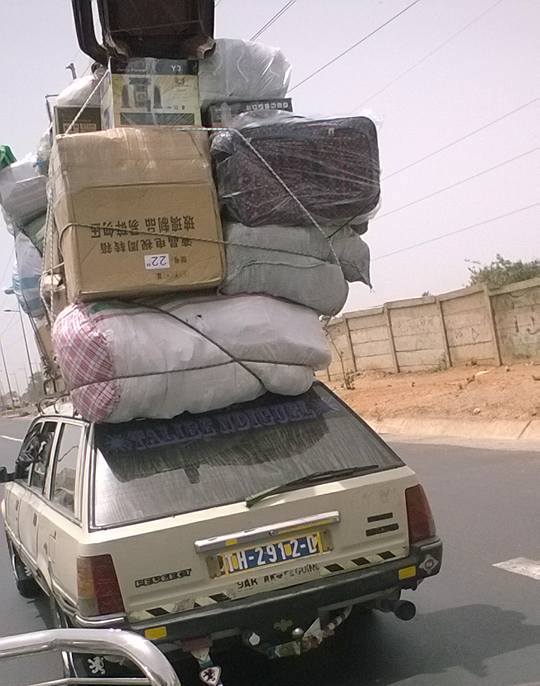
61,407
57,407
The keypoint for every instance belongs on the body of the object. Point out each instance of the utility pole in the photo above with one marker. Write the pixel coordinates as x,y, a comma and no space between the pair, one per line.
17,387
9,291
32,380
7,375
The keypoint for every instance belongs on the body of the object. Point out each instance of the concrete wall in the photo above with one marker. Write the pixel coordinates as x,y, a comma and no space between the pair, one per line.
489,327
516,310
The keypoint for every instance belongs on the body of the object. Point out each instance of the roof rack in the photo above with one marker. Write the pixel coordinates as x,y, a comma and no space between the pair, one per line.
54,401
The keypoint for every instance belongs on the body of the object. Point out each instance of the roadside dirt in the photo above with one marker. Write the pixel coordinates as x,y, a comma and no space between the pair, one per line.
508,392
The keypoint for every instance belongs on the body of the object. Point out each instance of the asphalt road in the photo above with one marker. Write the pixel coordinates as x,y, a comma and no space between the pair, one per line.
477,625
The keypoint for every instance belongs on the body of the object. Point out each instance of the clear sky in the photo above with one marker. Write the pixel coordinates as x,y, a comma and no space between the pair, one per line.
428,77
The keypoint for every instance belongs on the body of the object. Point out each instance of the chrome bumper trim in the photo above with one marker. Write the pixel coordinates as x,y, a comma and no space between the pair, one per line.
103,622
271,531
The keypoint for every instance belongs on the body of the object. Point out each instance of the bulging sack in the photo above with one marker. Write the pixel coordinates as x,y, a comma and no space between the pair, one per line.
243,70
23,190
26,276
125,361
79,90
296,263
35,231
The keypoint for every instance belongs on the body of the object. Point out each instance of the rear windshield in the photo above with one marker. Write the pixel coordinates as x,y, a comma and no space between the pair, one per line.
147,469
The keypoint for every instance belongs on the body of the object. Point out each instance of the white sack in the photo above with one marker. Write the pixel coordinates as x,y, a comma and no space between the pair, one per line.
295,263
79,90
243,70
26,275
10,224
44,152
124,361
23,190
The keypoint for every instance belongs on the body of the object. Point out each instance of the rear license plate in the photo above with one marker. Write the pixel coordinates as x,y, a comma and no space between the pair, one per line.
225,564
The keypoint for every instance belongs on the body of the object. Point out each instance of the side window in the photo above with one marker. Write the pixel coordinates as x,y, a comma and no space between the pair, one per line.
63,486
27,453
40,454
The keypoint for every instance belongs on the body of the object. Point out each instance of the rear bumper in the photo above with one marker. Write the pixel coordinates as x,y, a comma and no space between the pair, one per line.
350,588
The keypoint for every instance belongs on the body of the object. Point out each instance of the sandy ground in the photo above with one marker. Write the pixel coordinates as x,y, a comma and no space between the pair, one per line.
508,392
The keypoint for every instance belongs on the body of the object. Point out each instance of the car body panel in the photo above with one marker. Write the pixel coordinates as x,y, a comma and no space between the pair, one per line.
166,566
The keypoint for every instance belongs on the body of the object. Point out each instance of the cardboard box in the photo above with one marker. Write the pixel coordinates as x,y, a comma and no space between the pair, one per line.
223,113
149,91
136,211
88,122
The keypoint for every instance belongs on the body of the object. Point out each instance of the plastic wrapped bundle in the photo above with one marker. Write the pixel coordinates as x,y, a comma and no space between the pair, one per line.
295,263
243,70
330,166
125,361
26,276
23,191
44,152
10,224
79,90
35,230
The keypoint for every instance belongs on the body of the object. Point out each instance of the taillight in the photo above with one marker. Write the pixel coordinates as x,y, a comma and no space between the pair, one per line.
98,592
421,524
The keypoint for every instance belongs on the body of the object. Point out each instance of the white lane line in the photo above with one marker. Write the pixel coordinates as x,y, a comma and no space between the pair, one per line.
521,565
11,438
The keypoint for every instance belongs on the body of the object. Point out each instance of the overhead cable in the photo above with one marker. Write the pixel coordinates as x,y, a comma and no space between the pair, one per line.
273,19
457,231
461,138
427,56
457,183
354,45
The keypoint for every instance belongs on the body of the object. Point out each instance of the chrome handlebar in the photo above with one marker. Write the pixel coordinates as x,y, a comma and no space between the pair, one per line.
153,664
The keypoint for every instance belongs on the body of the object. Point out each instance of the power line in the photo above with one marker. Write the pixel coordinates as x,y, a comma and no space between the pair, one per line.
453,233
457,183
461,138
355,45
426,57
273,19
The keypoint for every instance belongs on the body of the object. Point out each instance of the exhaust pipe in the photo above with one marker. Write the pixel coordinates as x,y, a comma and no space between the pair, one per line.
403,609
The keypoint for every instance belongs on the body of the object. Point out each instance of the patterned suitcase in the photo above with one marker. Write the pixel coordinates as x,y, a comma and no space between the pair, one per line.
331,166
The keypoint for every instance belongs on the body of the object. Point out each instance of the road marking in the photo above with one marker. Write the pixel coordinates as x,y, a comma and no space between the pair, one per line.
521,565
11,438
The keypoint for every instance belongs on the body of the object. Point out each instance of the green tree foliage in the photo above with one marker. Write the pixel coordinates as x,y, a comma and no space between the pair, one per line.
501,272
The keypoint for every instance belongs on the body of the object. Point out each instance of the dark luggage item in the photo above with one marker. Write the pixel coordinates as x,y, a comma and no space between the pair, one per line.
331,166
173,29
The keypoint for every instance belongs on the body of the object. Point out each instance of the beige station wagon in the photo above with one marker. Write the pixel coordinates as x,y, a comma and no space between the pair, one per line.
266,522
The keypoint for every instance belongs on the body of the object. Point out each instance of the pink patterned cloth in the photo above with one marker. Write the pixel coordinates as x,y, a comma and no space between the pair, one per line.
83,353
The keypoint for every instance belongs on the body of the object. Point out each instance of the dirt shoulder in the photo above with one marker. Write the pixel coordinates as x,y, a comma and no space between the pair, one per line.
488,393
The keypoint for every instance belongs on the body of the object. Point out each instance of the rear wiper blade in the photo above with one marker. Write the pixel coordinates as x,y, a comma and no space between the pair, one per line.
315,477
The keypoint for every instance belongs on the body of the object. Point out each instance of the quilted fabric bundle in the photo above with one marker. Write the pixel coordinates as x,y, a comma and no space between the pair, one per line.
123,361
329,167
